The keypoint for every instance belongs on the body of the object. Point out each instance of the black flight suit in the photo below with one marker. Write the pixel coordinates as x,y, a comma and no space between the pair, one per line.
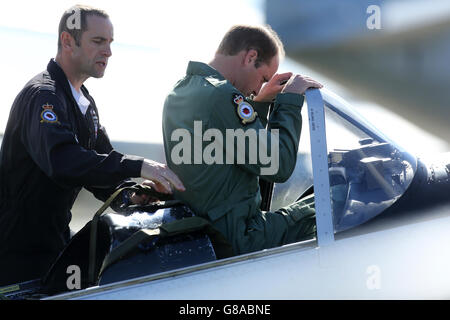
50,150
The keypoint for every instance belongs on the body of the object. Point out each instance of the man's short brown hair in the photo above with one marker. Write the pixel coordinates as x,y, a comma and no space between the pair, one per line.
260,38
80,12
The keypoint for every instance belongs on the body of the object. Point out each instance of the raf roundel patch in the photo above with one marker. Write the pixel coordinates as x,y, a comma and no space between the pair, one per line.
48,115
244,109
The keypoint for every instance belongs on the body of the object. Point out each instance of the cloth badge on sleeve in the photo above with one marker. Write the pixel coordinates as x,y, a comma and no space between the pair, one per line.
244,109
48,115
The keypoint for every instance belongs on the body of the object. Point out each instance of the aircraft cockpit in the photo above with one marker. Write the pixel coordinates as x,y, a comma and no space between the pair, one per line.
367,171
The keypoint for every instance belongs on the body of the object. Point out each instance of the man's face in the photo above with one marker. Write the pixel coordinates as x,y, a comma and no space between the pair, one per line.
91,57
250,79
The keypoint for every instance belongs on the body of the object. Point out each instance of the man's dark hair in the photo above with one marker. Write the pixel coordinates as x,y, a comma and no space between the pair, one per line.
260,38
69,25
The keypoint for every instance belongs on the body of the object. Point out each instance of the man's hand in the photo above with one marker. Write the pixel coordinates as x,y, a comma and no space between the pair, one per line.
162,177
299,84
143,199
273,87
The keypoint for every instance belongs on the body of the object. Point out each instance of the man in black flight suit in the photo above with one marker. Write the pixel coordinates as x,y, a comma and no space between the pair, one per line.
54,145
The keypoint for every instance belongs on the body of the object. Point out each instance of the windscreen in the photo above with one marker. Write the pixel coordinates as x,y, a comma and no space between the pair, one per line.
368,172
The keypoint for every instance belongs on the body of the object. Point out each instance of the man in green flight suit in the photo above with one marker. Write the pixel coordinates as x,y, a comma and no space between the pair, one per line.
218,138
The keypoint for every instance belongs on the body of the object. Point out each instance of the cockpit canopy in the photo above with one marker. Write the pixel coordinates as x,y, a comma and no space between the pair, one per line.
368,172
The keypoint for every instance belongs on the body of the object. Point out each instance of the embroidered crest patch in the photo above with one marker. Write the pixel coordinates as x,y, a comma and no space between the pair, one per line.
48,115
244,109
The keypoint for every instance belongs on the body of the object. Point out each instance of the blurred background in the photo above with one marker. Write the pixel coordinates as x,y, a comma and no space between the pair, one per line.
390,62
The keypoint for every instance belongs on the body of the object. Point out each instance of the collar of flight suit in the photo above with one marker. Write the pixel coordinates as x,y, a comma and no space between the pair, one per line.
202,69
58,74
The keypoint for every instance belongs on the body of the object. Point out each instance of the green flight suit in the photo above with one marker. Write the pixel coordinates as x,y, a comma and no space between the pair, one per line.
227,192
